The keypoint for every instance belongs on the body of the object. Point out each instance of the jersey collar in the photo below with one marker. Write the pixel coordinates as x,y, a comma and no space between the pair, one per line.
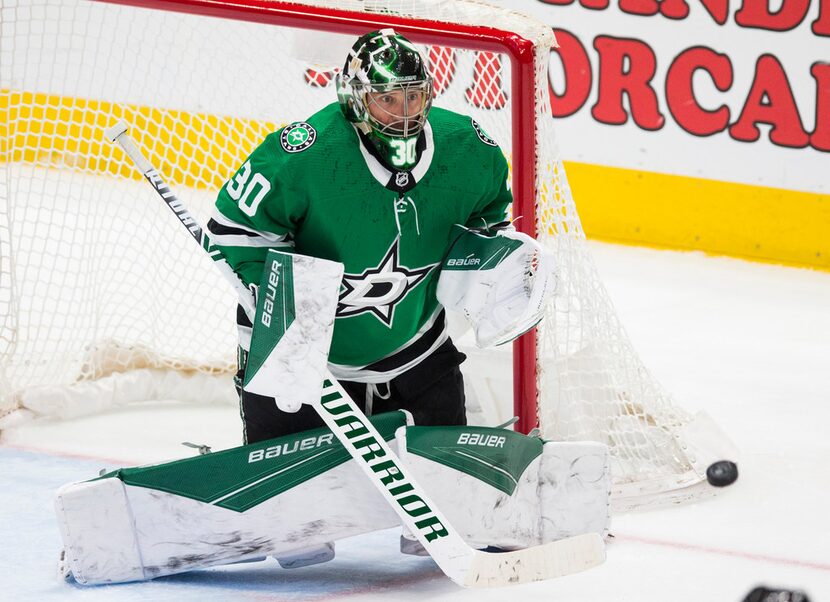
399,181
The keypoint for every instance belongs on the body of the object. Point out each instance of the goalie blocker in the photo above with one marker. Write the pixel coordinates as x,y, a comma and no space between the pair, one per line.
498,488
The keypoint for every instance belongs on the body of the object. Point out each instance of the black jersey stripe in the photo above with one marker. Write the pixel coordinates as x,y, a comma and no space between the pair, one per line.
219,229
413,351
216,228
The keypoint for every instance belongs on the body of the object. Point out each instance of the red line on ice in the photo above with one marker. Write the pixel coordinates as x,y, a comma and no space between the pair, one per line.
62,454
724,552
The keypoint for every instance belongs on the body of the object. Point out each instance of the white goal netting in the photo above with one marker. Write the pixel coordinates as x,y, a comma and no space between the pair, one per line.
104,300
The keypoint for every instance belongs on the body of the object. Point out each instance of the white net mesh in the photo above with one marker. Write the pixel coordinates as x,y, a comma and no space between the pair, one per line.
97,279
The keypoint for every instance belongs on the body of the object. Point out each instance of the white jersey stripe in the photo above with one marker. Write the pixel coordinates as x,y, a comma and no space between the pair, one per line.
239,240
225,221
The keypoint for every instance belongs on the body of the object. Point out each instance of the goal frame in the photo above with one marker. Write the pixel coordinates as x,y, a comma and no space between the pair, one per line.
521,53
200,99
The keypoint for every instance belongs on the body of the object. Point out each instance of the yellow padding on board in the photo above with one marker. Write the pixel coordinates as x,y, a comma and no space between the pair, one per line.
618,205
678,212
55,131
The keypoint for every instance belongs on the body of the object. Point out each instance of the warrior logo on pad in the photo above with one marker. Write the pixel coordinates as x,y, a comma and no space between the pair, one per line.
378,290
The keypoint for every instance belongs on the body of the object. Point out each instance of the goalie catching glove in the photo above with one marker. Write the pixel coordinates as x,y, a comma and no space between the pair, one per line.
501,282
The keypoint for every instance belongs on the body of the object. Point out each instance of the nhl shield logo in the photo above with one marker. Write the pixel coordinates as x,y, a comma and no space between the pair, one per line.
297,137
401,179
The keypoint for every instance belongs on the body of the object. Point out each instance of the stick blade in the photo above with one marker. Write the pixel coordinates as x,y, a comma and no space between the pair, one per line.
548,561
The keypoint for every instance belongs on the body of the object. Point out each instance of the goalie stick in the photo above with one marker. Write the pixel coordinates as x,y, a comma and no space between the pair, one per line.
466,566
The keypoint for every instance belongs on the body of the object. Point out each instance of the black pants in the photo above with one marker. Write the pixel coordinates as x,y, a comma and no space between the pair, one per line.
433,391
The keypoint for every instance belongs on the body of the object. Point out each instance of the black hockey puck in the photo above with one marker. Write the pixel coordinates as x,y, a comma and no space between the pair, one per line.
763,594
722,473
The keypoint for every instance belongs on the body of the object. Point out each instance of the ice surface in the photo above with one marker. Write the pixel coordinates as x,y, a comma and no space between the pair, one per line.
749,343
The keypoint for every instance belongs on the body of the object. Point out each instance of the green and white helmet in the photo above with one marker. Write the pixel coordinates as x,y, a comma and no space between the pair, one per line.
386,90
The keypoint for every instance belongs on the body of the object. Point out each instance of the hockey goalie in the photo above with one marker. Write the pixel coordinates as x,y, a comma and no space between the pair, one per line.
348,236
292,497
399,192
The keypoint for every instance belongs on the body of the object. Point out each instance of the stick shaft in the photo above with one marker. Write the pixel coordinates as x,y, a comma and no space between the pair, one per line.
118,134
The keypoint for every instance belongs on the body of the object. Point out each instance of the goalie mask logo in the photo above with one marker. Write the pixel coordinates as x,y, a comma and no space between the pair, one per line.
297,137
378,290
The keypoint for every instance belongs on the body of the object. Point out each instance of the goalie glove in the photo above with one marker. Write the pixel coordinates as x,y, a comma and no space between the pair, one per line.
500,281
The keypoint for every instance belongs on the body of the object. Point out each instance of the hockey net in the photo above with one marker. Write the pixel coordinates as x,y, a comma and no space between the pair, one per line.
104,300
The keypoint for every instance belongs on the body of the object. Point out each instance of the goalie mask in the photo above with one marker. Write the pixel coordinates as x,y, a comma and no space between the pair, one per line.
386,91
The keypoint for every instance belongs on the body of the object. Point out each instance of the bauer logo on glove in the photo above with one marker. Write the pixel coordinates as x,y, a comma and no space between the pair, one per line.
501,282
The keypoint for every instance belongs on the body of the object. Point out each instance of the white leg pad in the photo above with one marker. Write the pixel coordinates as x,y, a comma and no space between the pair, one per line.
114,532
109,528
496,487
575,489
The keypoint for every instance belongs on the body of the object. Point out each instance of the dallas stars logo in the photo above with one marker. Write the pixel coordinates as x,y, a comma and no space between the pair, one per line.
482,135
378,290
297,137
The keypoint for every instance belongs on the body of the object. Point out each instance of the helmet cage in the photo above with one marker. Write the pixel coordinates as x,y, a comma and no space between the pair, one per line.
396,110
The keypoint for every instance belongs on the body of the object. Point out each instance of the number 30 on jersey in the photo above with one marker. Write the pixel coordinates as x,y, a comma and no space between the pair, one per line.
404,151
246,190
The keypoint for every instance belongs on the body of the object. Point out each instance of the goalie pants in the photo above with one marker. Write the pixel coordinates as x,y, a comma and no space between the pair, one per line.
432,391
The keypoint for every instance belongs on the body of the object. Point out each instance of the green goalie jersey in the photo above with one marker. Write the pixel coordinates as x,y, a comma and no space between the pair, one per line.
315,188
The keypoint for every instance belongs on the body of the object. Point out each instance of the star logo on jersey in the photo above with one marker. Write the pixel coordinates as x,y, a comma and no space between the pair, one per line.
297,137
482,135
378,290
